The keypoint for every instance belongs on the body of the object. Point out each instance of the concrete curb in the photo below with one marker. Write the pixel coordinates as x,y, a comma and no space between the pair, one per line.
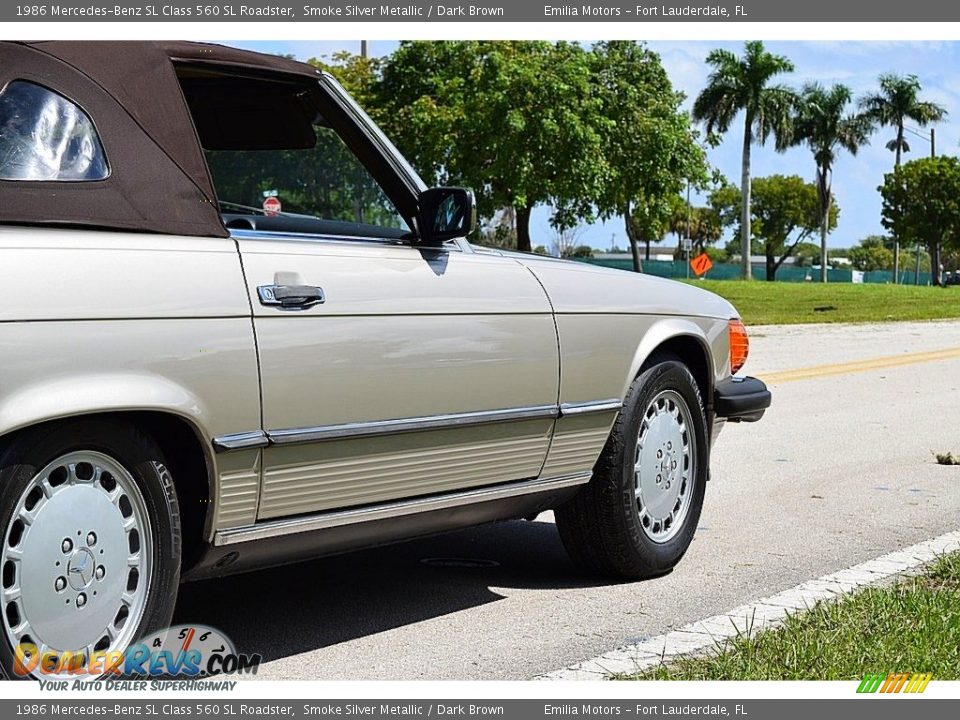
707,634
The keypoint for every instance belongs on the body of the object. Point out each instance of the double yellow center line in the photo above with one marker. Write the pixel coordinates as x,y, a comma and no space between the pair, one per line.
848,368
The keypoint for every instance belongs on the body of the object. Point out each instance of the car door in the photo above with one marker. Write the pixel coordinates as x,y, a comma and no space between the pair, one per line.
388,370
421,372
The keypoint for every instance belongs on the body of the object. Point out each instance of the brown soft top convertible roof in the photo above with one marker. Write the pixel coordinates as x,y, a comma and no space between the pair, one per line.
158,176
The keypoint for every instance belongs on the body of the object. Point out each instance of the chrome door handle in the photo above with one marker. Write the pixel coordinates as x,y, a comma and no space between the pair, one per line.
291,297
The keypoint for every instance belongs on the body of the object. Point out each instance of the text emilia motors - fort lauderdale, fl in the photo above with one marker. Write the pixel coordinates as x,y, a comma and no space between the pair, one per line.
715,11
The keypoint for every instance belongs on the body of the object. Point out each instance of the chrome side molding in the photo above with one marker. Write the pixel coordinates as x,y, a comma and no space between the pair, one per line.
289,436
241,441
403,425
351,516
611,405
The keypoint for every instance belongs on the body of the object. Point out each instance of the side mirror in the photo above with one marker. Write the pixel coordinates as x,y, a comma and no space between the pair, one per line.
446,213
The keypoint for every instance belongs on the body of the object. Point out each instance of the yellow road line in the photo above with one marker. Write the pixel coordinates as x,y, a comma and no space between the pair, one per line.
847,368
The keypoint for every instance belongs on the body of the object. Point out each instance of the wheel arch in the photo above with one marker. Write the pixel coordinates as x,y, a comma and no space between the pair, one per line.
686,340
189,457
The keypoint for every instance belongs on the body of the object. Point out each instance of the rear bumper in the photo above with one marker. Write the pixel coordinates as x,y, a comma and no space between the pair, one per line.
741,399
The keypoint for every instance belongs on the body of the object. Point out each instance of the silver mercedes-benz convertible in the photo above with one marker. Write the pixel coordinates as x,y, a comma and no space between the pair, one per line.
237,330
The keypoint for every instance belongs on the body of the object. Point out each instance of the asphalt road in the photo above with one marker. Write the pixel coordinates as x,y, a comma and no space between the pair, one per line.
840,470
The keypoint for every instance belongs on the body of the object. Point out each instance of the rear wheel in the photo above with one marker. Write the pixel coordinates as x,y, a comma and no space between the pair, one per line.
637,516
91,540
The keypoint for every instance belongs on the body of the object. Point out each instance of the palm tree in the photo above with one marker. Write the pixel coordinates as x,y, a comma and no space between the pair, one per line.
897,102
825,126
744,84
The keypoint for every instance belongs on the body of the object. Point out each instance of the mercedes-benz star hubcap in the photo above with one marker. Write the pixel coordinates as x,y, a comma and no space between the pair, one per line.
665,466
76,559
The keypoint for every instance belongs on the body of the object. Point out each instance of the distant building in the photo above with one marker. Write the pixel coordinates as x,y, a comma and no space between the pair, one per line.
664,254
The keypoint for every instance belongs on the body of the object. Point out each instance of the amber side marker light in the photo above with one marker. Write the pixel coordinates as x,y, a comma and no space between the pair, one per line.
739,345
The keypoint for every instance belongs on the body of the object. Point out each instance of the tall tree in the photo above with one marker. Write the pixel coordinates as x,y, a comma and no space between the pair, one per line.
650,151
744,84
898,101
921,203
825,126
785,212
516,121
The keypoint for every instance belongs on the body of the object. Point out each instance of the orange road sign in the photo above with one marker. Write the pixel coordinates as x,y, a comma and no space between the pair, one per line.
700,264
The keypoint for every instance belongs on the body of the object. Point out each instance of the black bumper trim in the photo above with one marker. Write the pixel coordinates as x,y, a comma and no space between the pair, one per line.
741,399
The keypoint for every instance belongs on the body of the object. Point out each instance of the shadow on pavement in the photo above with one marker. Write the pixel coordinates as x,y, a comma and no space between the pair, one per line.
296,608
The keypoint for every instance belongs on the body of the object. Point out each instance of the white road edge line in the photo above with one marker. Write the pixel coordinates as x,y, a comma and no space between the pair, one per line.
709,634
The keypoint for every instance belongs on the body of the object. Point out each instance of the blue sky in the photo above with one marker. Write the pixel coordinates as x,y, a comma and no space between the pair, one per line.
856,64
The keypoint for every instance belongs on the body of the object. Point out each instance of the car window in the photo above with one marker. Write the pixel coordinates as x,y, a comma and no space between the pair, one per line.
276,165
324,183
45,136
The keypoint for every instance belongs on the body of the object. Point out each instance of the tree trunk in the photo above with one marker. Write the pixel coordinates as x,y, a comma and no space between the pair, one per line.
896,162
787,252
896,261
745,204
823,187
646,254
824,265
632,239
771,265
935,276
523,228
896,240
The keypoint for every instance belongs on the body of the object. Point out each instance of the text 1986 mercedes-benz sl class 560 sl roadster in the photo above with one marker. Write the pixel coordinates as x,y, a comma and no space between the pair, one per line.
237,330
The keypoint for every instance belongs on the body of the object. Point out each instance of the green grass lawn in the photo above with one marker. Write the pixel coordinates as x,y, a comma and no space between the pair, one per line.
766,303
911,627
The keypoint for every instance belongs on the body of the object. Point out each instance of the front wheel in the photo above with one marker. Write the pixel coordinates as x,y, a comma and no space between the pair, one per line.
91,543
637,516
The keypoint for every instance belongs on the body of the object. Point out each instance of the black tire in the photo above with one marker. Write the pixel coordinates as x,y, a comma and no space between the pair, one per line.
30,451
600,527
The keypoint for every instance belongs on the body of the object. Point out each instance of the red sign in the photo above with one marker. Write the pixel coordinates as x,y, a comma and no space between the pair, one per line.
271,206
700,264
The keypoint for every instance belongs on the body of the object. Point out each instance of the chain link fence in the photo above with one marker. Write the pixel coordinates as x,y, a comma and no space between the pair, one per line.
786,273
